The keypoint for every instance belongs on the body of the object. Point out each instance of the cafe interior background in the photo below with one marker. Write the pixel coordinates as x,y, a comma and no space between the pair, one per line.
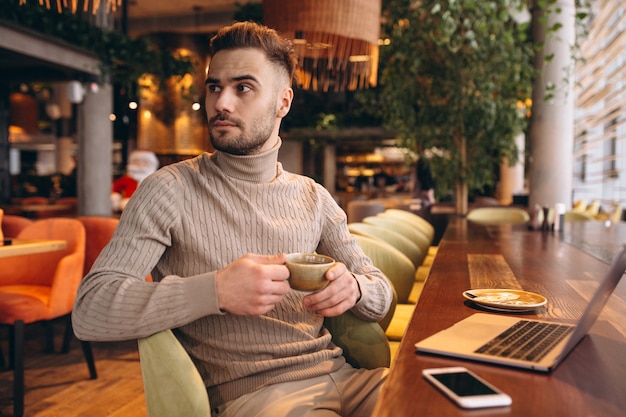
63,110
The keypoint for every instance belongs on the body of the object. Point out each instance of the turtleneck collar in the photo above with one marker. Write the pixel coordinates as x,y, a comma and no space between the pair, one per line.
260,168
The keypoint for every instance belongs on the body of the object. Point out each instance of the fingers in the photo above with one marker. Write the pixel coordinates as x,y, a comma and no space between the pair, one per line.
262,305
252,284
267,259
336,309
273,265
338,297
336,271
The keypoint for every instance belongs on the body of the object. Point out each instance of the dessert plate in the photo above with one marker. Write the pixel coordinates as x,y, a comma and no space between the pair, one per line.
505,300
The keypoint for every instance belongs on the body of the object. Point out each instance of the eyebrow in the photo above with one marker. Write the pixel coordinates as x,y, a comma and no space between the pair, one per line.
245,77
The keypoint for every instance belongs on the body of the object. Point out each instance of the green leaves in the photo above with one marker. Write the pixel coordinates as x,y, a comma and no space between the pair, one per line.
121,58
464,66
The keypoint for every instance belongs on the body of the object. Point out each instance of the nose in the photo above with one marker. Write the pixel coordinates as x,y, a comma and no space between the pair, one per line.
223,100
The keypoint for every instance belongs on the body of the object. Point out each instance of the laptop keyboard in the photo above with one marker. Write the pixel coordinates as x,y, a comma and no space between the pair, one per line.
526,340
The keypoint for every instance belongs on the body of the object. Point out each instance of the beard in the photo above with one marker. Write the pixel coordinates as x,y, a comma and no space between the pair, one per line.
250,139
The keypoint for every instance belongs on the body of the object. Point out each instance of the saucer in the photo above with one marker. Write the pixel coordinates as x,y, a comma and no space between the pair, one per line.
505,300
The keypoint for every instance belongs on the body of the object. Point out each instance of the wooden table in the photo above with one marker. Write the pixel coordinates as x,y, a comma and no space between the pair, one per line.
27,247
592,379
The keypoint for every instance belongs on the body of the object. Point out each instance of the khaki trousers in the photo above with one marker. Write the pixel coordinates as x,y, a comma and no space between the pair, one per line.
349,392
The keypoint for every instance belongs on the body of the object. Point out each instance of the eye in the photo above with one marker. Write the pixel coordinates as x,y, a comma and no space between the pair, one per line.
213,88
243,88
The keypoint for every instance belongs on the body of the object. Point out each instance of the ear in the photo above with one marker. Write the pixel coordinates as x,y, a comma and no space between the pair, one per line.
284,102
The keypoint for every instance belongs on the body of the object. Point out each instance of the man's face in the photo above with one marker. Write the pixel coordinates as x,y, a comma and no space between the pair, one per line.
247,96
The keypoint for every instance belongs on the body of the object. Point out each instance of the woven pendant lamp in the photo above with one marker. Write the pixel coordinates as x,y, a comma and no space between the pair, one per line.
75,5
336,40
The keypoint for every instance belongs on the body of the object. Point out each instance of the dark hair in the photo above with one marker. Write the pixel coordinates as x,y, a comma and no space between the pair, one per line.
253,35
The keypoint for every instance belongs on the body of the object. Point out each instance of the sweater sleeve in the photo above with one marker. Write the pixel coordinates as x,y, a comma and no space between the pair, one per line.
114,300
336,241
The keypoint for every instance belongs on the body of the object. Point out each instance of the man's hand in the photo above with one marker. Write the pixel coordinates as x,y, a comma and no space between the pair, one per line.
339,296
253,284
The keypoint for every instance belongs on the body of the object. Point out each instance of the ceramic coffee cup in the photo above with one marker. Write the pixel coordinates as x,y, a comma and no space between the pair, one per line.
308,270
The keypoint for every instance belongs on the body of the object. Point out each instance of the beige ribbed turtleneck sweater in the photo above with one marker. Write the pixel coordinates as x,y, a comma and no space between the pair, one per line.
189,220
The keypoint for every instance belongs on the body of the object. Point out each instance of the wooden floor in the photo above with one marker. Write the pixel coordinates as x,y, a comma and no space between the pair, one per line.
58,384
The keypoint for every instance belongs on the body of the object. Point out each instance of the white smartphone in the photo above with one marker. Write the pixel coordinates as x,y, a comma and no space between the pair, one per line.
466,388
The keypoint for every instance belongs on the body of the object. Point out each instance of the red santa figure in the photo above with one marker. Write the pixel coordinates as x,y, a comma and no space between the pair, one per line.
140,164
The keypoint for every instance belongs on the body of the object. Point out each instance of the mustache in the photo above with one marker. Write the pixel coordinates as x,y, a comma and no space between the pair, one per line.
223,117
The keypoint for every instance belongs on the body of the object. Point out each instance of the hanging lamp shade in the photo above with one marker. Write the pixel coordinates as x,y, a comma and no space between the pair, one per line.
76,5
336,40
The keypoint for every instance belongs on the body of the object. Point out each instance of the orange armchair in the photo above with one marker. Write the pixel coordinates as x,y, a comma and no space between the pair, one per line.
99,231
12,225
40,288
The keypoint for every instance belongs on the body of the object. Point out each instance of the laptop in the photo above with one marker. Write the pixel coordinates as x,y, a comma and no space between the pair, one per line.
510,341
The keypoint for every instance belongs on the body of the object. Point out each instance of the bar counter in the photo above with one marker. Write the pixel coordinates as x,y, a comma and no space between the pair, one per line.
563,266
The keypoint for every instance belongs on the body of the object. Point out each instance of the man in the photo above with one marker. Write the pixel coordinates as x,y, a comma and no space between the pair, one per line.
214,231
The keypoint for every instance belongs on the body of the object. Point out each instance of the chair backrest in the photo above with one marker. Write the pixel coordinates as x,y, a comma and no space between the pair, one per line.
415,235
593,208
173,386
359,209
577,216
393,263
60,270
402,221
428,228
99,231
364,343
579,205
498,215
404,245
12,225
